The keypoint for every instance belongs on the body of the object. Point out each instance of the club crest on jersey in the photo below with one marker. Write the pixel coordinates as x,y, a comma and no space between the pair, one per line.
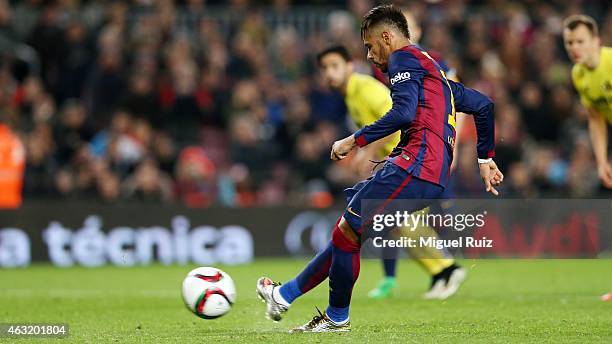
400,77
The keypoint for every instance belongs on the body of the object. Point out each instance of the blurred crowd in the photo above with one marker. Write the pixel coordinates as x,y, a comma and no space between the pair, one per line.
213,103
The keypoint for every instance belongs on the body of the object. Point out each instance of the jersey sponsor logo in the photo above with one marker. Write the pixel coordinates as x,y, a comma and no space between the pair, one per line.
400,77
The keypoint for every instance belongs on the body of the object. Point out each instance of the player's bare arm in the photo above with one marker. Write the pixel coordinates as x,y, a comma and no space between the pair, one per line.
598,128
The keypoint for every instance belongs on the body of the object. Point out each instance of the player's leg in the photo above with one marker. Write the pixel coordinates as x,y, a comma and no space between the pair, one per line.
388,284
447,274
315,272
340,257
345,263
278,298
438,263
343,273
388,183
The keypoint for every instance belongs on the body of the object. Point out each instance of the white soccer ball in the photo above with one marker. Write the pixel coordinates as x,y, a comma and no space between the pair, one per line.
209,292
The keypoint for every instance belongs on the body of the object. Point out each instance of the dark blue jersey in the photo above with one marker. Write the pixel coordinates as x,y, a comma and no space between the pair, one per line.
424,106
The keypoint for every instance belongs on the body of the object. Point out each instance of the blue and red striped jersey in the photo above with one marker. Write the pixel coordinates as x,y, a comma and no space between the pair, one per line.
424,106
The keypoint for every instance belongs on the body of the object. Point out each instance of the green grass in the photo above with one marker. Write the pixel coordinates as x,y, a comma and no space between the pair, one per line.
502,301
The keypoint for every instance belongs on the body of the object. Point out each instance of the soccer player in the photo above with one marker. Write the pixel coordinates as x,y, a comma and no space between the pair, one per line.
446,275
592,77
367,99
424,105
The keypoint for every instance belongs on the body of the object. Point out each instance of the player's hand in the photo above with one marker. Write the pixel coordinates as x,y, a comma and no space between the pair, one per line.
341,148
605,175
491,176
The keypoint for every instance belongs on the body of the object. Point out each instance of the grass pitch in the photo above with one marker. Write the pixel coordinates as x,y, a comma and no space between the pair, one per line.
501,301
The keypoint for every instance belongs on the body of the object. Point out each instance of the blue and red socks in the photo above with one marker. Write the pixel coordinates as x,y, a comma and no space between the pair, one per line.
343,274
315,272
340,261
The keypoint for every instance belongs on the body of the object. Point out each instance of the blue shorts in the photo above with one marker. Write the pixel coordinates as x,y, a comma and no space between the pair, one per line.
389,183
449,190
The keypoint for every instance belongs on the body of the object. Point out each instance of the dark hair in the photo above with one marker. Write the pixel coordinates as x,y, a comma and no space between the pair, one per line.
334,49
385,14
573,21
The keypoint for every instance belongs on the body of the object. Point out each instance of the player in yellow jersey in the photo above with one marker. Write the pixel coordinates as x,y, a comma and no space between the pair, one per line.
367,99
592,77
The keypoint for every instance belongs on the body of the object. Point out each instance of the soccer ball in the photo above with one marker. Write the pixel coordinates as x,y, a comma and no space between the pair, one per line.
208,292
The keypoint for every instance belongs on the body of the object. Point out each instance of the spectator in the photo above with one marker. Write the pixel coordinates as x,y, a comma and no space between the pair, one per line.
148,184
196,178
72,132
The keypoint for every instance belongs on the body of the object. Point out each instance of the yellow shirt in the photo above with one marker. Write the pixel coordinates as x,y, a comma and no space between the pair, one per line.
367,100
595,85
